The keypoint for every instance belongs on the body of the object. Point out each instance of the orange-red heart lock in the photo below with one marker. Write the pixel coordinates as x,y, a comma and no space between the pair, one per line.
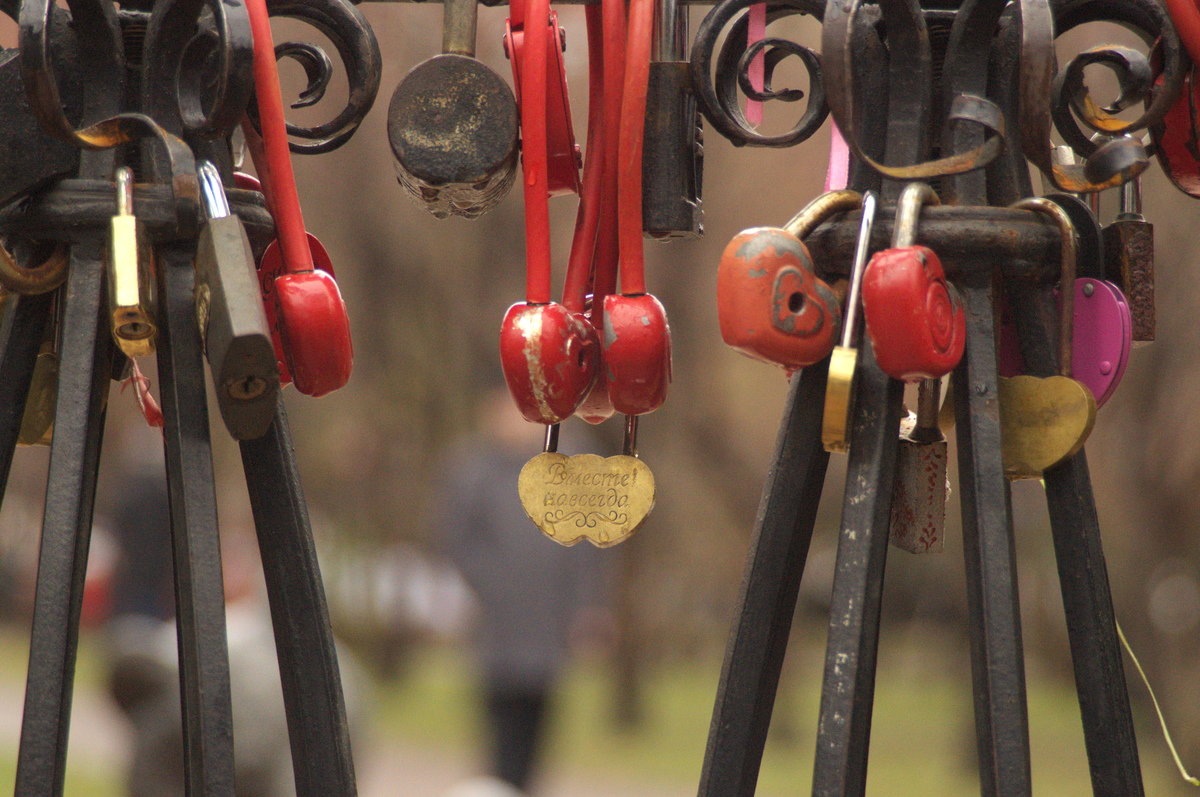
637,353
770,304
549,356
914,317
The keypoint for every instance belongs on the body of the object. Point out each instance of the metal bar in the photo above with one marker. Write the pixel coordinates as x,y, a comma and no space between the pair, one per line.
308,666
997,666
758,642
86,359
21,331
1108,728
196,546
844,729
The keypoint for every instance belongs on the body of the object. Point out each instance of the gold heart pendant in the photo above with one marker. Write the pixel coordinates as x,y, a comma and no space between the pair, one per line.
586,497
1042,422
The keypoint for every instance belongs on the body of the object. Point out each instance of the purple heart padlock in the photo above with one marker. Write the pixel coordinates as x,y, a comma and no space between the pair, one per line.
1102,337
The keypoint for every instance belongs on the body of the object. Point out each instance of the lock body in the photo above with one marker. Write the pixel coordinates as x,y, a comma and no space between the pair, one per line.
1129,258
452,125
914,316
673,160
637,353
549,358
233,325
37,422
770,304
131,283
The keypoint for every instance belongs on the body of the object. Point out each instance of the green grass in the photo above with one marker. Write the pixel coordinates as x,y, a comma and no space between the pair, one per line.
922,735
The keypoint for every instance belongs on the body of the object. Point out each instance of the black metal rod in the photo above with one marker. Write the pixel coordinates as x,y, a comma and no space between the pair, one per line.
20,338
848,691
308,666
196,546
86,365
758,642
997,666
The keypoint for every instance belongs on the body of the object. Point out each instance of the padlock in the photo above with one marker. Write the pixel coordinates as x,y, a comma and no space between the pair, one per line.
919,491
233,323
673,163
313,325
131,278
548,355
1101,326
37,421
637,352
843,361
914,317
1044,421
1129,256
771,306
586,497
452,125
563,155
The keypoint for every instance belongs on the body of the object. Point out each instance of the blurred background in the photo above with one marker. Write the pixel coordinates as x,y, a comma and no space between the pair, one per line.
630,714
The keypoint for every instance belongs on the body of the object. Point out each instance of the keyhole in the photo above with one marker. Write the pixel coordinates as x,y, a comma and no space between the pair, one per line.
250,387
795,302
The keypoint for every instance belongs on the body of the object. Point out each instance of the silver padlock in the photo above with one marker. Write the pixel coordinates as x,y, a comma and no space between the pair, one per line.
920,488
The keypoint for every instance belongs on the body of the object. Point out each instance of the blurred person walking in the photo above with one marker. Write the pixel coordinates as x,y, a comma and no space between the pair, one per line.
532,592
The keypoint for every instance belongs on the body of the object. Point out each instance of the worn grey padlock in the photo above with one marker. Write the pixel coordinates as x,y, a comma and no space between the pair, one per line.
1129,258
233,323
452,124
673,158
919,491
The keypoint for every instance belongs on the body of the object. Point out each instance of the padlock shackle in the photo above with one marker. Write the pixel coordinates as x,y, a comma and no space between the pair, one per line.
913,197
274,161
862,246
929,407
535,156
821,208
212,191
123,180
632,135
1067,254
459,19
604,281
581,262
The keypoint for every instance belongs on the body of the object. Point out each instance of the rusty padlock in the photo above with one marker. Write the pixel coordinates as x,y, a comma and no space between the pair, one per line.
452,125
914,317
919,491
771,306
1129,259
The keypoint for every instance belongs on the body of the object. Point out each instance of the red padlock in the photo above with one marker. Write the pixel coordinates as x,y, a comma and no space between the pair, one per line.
312,321
548,351
771,306
637,339
563,157
914,317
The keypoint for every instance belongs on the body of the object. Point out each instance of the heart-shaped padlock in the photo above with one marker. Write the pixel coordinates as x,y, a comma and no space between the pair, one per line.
637,353
548,355
914,317
310,315
771,306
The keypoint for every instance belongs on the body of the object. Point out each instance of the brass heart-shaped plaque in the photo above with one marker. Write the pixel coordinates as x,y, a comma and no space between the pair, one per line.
1042,422
586,497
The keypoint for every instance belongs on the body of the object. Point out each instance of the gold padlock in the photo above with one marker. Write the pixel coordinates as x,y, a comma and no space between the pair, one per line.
37,421
1044,421
130,276
839,390
586,497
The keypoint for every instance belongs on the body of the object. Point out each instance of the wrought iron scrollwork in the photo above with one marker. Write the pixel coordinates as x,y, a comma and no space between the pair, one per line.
719,100
1063,99
358,50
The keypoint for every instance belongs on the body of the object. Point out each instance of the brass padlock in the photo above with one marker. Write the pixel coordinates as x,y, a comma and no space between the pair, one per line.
1045,421
130,275
233,323
587,497
839,390
1129,259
